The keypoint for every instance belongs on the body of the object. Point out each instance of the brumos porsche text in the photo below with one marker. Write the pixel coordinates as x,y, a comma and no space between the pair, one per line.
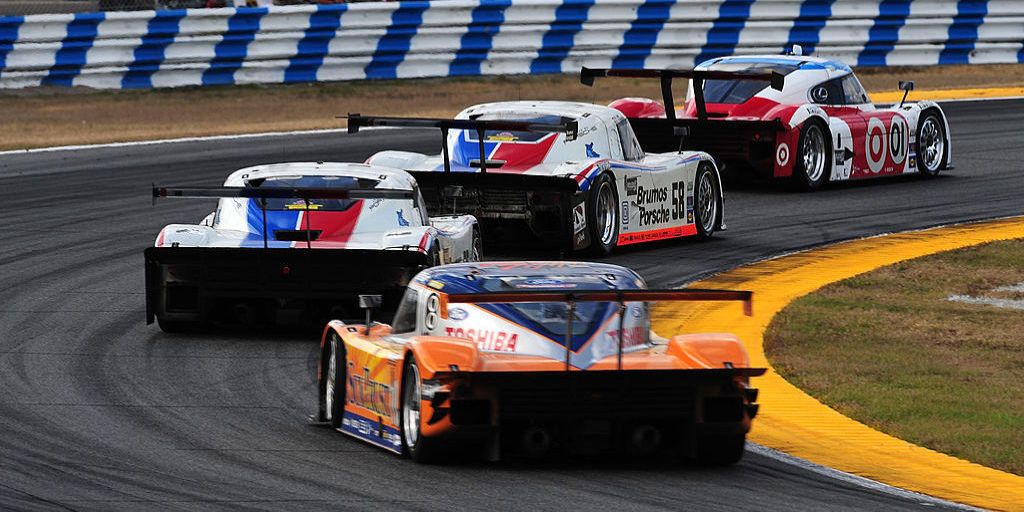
651,205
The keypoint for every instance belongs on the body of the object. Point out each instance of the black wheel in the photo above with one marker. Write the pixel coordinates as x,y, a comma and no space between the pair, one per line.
420,448
931,144
813,160
174,326
720,450
603,216
707,201
332,381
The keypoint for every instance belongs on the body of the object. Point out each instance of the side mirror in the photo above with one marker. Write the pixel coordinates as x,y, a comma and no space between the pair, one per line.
906,87
369,303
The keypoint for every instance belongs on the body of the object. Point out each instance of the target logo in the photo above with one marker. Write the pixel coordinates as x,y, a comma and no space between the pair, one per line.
898,136
875,144
782,155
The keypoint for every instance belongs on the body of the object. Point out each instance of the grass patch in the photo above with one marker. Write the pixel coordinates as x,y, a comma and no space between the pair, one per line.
44,117
889,349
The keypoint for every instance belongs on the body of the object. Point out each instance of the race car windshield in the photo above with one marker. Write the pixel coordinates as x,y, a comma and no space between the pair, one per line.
509,136
325,205
741,90
552,318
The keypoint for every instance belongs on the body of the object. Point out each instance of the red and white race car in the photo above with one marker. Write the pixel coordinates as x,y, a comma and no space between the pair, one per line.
795,116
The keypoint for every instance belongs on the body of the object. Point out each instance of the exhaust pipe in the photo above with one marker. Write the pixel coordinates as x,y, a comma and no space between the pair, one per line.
535,441
644,439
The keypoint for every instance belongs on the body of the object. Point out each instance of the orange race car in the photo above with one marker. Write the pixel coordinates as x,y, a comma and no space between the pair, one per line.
532,358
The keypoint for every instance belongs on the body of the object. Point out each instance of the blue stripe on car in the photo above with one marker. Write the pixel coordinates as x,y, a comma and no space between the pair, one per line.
477,41
725,31
70,58
315,43
963,32
395,44
161,30
231,51
639,40
884,33
558,40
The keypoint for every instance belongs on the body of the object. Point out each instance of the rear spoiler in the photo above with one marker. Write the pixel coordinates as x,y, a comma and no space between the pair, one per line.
306,194
620,296
775,79
357,121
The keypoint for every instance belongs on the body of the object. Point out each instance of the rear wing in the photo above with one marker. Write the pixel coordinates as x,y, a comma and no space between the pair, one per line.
357,121
620,296
775,79
306,194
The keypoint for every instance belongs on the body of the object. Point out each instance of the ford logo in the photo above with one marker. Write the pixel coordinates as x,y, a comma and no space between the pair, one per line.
457,314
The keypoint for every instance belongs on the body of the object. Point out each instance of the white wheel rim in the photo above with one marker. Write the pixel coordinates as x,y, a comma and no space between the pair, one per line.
332,379
706,203
931,144
606,214
411,406
813,153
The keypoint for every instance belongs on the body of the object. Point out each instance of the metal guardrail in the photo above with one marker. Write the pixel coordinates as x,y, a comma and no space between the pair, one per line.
387,40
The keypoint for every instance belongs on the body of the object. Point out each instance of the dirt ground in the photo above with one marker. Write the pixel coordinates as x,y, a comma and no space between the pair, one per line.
54,117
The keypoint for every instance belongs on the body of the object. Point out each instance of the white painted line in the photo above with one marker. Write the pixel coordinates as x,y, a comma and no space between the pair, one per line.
867,483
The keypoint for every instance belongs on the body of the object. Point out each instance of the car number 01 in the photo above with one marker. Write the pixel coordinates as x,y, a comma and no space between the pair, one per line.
430,320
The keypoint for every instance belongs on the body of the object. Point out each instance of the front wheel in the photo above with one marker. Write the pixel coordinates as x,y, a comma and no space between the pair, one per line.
603,216
332,388
812,163
707,201
420,448
931,144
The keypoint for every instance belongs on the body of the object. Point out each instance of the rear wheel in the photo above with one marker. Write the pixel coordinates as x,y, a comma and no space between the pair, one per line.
707,201
420,448
603,216
931,144
812,163
720,450
332,388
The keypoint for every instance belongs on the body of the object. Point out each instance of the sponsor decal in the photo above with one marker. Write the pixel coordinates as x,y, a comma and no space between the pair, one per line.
401,218
579,218
631,186
544,283
625,213
494,341
370,394
689,217
631,336
875,144
898,135
840,153
657,234
435,284
457,314
653,215
782,155
375,203
590,151
300,204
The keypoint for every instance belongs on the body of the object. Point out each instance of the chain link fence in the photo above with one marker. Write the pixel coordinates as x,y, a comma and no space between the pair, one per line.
25,7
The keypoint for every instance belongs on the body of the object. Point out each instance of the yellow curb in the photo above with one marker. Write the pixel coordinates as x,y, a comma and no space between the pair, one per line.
949,94
794,422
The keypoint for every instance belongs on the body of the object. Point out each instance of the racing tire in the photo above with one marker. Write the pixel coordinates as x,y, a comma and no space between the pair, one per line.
931,144
720,450
332,385
813,159
421,449
707,201
603,216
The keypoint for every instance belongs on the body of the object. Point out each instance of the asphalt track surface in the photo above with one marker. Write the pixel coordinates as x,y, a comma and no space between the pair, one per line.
99,411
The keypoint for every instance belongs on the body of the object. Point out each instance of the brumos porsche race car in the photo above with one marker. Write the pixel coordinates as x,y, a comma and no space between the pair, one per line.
536,358
574,173
793,116
300,239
